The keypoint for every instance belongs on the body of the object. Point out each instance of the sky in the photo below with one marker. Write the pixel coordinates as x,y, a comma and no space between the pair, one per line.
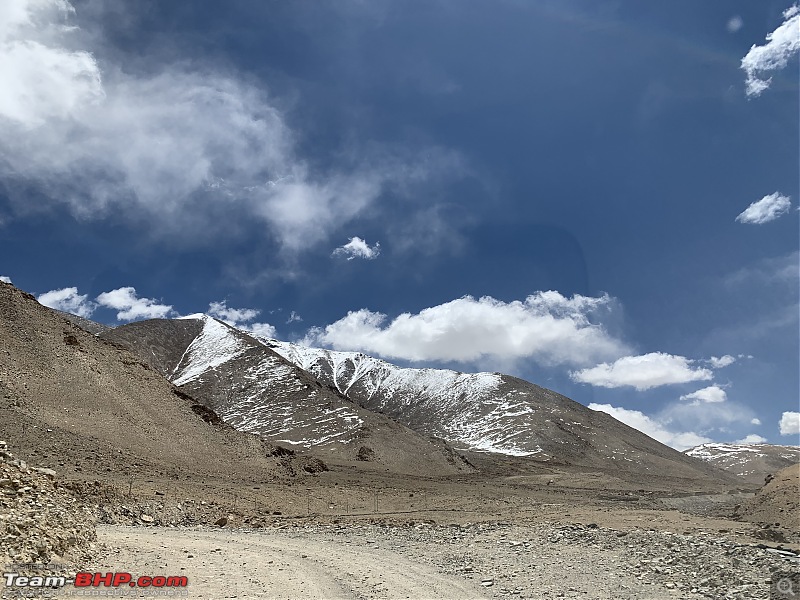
600,197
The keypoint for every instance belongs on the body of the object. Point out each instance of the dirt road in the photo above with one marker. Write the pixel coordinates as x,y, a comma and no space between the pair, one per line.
233,564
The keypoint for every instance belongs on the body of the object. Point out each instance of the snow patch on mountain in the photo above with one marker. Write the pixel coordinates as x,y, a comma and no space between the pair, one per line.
216,345
470,406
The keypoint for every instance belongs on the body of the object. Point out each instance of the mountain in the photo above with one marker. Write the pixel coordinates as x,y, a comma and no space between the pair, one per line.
752,462
351,407
494,413
256,390
89,408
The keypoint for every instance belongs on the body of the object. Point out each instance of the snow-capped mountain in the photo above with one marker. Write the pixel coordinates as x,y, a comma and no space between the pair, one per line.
488,412
356,406
753,462
256,390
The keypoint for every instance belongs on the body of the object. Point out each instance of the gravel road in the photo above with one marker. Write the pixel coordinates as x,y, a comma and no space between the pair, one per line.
423,560
233,564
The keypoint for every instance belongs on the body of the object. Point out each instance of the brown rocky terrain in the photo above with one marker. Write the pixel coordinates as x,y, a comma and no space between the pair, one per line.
777,504
89,408
39,520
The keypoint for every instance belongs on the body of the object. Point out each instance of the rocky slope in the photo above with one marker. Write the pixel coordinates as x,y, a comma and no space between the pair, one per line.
777,503
258,391
494,413
88,408
40,522
752,462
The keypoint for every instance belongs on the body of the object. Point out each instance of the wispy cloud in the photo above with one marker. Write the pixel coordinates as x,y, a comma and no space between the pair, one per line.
130,307
175,148
680,440
358,248
781,45
643,372
68,300
789,423
712,393
546,327
734,24
294,318
765,210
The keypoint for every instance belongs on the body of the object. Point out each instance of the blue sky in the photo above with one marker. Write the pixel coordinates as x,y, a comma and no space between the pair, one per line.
600,197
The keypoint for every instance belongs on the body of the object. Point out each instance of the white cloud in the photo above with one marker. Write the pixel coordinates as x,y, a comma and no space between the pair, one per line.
790,423
546,327
5,279
643,372
775,54
130,307
241,319
232,315
734,24
755,421
68,300
294,317
765,210
711,393
680,440
177,148
259,329
752,438
704,416
358,248
722,361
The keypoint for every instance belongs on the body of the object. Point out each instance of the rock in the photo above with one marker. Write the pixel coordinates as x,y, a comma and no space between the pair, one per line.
44,471
221,522
146,519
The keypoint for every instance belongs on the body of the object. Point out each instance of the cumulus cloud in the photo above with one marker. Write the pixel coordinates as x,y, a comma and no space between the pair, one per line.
264,330
711,393
241,318
234,315
358,248
790,423
721,361
781,45
546,327
755,421
130,307
643,372
680,440
752,438
5,279
765,210
180,144
68,300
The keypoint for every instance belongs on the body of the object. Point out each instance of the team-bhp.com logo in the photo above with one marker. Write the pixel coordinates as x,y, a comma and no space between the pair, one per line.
87,580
